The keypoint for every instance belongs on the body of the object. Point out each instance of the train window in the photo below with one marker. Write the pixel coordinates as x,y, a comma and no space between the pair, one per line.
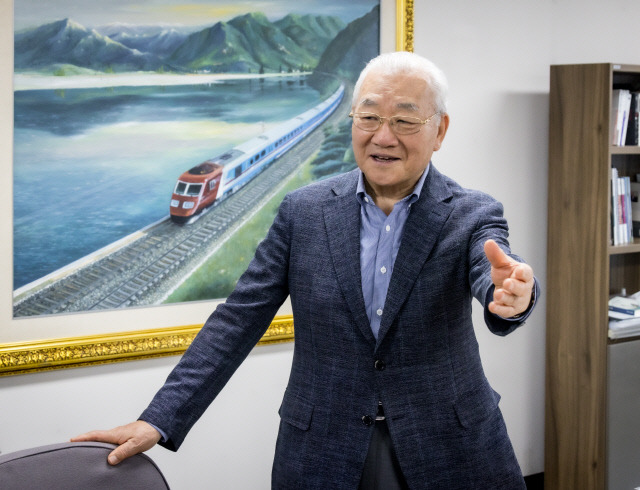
180,188
262,154
194,189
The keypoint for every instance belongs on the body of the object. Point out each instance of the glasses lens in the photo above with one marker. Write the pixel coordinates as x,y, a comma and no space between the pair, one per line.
367,122
406,125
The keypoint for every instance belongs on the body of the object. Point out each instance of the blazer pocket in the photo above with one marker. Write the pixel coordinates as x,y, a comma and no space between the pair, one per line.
474,408
296,411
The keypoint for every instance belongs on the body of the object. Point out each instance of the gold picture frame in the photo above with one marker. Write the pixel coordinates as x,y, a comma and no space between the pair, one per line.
32,356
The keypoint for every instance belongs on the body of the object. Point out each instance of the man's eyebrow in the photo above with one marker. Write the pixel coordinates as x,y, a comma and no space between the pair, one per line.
368,102
408,106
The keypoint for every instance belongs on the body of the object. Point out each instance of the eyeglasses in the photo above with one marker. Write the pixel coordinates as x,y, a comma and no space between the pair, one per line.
368,121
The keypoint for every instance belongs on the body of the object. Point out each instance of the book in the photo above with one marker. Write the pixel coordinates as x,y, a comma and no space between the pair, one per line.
626,202
626,305
633,126
621,209
634,197
615,240
620,105
622,218
616,315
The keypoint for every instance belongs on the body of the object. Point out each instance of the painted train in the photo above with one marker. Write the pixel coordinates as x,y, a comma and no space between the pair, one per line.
216,178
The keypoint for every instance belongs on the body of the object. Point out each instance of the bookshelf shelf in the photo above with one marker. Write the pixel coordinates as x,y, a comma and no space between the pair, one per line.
622,341
625,249
625,150
583,270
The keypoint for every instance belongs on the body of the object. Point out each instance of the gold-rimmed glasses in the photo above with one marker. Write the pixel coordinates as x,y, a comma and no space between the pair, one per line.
370,121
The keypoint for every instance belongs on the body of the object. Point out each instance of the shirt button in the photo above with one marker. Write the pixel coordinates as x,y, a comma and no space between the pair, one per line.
388,228
379,312
383,269
367,420
366,199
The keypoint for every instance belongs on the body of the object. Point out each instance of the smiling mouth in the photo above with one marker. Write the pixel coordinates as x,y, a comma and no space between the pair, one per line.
384,158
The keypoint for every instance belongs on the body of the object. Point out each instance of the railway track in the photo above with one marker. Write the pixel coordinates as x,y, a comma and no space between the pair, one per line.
141,272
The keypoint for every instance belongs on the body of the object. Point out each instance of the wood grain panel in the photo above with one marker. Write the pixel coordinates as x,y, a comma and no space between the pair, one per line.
577,277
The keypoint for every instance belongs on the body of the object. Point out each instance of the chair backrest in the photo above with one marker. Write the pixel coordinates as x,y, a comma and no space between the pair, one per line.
77,465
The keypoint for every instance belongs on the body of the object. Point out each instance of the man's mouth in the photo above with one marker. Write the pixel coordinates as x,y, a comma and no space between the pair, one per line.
384,158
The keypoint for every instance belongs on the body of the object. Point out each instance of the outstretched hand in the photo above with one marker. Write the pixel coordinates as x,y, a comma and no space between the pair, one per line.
513,282
132,439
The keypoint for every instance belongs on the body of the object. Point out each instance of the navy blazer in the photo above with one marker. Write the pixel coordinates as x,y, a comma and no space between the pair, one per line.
425,368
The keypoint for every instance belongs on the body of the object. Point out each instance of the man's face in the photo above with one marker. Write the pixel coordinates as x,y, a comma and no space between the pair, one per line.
392,164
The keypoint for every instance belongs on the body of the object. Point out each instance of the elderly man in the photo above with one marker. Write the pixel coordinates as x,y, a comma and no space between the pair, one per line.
382,263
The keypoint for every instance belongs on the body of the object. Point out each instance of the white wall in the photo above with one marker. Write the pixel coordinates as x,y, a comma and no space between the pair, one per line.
496,54
231,446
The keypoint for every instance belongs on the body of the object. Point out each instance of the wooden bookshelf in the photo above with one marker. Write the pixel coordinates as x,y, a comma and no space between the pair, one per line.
583,269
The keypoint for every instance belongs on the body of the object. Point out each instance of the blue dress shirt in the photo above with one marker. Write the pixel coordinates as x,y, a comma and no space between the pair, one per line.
380,237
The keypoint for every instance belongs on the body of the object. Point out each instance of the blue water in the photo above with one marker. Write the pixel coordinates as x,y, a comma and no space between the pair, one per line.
94,165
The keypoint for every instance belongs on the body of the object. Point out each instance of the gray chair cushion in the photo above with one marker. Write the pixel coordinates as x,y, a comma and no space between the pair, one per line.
77,465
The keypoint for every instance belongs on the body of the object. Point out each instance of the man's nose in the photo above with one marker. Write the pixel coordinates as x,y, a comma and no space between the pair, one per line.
384,135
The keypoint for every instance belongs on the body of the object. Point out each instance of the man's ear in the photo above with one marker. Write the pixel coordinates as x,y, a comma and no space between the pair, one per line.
442,130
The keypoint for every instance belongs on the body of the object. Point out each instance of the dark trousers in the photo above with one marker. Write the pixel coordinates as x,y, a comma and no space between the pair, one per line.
381,468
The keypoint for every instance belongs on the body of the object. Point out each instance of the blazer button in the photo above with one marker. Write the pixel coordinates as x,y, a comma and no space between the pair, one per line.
380,365
367,420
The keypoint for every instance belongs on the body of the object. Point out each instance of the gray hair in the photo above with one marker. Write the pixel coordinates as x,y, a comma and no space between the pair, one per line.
407,62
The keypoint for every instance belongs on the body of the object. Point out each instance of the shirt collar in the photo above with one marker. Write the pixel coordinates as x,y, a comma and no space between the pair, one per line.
361,192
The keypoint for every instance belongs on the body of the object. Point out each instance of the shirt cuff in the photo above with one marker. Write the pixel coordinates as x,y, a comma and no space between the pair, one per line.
163,435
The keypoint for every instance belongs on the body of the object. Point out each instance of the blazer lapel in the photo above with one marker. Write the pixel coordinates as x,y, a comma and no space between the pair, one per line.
342,222
421,231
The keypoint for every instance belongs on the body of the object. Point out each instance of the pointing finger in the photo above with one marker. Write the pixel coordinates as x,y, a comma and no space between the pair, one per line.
496,255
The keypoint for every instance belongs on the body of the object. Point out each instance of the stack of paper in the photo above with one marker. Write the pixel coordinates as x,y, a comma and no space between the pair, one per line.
619,329
624,316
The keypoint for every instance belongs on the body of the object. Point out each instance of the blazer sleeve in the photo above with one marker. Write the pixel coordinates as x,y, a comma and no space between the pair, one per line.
226,339
491,224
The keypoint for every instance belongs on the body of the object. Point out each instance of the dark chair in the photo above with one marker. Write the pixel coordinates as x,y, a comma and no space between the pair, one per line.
77,465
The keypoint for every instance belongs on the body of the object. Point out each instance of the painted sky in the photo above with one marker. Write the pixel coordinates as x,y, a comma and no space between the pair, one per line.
92,13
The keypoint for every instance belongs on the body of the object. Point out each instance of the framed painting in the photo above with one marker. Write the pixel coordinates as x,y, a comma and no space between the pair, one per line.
61,108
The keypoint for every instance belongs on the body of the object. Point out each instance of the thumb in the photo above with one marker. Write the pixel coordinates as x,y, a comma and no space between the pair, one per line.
121,453
496,255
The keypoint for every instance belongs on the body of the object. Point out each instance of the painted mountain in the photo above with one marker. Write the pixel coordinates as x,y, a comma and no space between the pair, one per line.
247,43
251,43
67,42
159,40
348,52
